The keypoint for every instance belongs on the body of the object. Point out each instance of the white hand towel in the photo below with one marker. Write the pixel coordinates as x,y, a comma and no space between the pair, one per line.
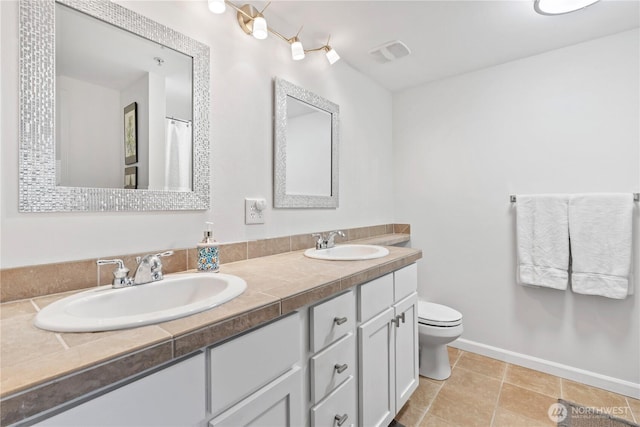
543,240
600,230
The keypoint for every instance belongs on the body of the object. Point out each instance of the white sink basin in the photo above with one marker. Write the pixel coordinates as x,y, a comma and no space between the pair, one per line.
105,308
348,252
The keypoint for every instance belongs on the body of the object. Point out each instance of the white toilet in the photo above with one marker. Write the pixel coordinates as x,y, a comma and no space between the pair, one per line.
438,325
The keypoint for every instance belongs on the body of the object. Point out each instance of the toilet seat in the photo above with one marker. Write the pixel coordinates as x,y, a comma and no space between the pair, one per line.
433,314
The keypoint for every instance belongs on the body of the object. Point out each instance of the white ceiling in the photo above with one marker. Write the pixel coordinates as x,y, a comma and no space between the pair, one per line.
446,37
97,52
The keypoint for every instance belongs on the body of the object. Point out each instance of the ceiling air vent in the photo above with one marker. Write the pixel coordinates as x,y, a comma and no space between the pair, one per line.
389,51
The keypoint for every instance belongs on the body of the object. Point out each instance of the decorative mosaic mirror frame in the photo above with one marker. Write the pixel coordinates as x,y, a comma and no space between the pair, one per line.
37,163
283,90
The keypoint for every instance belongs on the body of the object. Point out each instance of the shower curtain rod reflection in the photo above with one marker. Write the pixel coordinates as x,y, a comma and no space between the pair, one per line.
636,197
179,120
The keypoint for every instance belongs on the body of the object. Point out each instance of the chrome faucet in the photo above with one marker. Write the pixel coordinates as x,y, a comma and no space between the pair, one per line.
149,270
327,241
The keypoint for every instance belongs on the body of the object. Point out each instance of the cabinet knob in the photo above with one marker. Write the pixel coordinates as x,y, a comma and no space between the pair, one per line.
341,419
339,320
341,368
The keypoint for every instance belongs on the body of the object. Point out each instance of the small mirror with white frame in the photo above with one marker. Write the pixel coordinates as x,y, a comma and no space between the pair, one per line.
306,148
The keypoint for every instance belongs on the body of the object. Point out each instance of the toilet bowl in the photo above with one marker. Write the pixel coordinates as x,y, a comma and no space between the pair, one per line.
438,325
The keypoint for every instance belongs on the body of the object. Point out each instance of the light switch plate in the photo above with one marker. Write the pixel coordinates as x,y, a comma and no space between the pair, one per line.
254,210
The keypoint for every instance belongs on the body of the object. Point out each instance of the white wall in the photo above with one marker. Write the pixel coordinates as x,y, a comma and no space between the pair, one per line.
157,134
563,121
87,128
242,70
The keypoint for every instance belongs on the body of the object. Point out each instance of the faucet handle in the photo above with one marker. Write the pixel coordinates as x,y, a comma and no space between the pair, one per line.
161,254
156,264
320,240
120,274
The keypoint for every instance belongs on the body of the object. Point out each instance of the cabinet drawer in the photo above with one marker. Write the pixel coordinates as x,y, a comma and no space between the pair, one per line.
375,296
241,366
331,320
405,282
338,409
332,366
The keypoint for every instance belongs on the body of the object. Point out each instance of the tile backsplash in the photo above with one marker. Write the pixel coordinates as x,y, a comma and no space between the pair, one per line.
31,281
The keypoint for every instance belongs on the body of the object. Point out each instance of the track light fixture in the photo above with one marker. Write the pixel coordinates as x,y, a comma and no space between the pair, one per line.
254,23
332,55
217,6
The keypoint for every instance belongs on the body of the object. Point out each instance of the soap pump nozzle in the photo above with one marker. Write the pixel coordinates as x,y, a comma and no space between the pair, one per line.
208,233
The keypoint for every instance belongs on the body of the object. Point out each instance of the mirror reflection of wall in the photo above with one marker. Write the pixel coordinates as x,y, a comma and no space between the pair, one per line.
100,70
308,149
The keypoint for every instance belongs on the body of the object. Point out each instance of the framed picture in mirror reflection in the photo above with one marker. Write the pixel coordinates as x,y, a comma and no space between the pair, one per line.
131,134
131,177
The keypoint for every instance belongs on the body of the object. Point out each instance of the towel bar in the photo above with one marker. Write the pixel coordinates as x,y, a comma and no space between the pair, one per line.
636,197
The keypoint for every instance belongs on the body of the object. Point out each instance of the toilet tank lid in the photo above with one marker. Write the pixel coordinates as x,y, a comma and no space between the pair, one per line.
438,312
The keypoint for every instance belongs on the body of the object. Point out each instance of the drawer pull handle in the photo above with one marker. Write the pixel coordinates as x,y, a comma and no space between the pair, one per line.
340,320
341,419
402,317
341,368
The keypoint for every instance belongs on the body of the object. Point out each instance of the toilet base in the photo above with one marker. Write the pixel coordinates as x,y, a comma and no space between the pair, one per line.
434,362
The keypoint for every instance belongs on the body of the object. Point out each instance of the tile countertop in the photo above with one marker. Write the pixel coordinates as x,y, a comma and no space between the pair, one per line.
41,369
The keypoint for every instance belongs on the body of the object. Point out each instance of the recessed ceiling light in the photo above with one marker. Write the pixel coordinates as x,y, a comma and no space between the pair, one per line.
559,7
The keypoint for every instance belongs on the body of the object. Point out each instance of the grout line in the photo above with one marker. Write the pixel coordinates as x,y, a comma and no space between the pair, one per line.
495,408
64,344
630,410
432,400
33,303
442,383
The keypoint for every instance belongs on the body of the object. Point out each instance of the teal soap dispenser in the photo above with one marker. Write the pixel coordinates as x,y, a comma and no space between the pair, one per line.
208,254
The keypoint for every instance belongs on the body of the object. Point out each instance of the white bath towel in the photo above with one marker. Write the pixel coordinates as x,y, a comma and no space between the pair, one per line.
600,231
543,240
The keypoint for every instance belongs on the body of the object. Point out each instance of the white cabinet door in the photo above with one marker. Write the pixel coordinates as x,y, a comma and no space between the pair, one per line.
174,396
247,363
278,404
406,348
377,370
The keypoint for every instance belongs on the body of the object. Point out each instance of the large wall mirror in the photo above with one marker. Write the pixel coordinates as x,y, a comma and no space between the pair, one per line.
114,111
306,148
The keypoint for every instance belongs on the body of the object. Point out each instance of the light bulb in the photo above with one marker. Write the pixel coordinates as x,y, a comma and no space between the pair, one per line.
297,51
332,55
260,30
217,6
558,7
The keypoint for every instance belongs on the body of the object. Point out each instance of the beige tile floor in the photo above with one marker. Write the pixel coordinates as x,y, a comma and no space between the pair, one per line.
486,392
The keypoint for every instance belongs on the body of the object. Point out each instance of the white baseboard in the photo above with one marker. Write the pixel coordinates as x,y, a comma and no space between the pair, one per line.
615,385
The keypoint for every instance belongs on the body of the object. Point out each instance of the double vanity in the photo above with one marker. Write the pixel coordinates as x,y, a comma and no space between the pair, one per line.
319,337
305,341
